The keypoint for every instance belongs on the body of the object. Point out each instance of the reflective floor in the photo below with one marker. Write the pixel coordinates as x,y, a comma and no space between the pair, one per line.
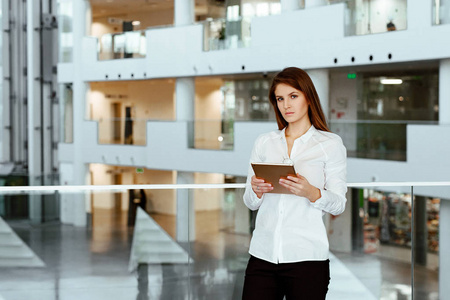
93,264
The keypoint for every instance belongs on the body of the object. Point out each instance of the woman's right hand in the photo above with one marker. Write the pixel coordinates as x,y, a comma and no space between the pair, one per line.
260,187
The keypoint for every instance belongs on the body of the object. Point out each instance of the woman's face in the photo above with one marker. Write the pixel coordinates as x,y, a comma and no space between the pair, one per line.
292,104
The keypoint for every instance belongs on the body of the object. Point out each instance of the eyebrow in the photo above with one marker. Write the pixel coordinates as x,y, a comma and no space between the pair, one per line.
288,94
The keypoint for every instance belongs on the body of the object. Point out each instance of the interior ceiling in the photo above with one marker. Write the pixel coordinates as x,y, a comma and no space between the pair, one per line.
104,8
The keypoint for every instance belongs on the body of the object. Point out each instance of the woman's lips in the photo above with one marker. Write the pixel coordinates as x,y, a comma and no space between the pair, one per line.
289,113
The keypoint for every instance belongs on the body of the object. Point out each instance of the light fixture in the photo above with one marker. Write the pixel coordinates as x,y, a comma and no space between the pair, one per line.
220,138
136,23
391,81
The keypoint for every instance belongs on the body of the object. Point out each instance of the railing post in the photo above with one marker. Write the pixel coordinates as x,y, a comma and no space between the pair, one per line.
413,241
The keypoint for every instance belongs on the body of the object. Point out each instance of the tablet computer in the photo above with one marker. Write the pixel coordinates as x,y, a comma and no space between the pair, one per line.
272,172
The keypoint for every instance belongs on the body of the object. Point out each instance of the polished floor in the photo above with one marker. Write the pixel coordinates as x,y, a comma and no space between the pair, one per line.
92,263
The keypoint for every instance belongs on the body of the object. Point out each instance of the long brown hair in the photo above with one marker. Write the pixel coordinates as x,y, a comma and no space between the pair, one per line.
299,80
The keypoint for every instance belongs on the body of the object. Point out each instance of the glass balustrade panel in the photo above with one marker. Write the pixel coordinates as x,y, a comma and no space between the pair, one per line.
369,17
169,243
65,30
441,12
371,139
131,44
108,244
122,131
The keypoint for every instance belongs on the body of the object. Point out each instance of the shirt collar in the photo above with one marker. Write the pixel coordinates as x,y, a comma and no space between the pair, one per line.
304,138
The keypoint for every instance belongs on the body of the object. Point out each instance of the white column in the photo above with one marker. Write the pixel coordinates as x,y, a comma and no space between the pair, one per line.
34,112
185,105
290,5
185,209
444,91
184,12
80,170
185,99
444,248
321,81
419,14
315,3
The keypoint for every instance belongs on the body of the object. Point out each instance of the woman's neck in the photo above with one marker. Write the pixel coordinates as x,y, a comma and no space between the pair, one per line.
296,130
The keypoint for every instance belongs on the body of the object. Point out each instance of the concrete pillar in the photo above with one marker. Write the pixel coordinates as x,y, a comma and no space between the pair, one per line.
321,81
444,91
81,16
185,99
184,12
290,5
34,108
419,14
185,105
444,248
315,3
357,204
185,209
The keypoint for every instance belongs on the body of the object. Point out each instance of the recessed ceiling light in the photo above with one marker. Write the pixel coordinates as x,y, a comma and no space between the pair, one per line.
391,81
136,23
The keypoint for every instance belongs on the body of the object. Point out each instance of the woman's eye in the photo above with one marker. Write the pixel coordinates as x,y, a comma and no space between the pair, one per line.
279,99
293,96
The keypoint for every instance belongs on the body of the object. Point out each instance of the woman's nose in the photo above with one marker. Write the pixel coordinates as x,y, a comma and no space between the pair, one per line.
286,104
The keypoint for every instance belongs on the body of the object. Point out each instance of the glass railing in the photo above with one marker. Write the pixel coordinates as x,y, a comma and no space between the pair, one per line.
212,134
223,34
122,131
373,139
130,44
65,30
191,242
368,17
441,12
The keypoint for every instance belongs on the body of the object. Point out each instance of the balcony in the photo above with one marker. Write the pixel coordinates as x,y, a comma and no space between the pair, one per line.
202,250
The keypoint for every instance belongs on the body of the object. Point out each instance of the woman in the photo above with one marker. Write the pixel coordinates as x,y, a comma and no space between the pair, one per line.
289,247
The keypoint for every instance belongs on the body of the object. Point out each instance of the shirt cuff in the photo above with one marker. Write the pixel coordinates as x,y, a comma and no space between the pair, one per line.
322,201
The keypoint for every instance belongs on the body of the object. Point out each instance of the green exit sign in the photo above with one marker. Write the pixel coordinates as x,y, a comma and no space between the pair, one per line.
351,75
140,170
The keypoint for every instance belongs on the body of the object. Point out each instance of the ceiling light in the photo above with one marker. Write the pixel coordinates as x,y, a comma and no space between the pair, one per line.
136,23
391,81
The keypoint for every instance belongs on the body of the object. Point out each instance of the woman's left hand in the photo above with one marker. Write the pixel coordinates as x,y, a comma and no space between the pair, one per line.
300,186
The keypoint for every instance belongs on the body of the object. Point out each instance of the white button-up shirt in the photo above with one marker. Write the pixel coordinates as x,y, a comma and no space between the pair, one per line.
290,228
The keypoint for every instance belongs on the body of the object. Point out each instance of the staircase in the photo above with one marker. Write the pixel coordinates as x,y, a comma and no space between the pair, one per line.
14,252
152,245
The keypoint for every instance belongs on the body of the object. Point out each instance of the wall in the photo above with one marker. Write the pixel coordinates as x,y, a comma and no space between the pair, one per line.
208,105
102,177
158,201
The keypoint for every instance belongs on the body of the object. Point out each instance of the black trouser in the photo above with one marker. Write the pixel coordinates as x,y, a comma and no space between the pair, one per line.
301,280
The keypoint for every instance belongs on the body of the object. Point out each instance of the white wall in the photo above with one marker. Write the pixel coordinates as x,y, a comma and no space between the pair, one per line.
159,201
102,177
